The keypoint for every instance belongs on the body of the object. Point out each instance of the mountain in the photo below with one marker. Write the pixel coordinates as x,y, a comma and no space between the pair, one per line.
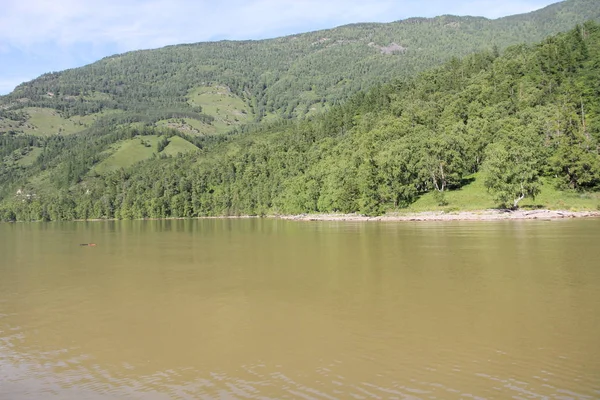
521,128
208,88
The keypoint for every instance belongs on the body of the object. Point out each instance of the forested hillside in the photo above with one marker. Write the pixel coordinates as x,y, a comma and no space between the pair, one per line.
286,77
514,122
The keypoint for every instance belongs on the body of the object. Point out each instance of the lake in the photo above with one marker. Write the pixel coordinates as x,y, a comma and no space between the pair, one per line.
272,309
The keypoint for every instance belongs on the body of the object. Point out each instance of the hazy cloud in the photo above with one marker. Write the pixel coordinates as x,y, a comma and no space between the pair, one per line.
142,24
7,85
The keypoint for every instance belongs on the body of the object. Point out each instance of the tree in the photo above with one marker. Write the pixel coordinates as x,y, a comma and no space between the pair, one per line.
443,161
162,143
511,170
577,166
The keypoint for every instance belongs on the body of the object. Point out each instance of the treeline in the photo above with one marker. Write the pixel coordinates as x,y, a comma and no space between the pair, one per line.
150,117
529,113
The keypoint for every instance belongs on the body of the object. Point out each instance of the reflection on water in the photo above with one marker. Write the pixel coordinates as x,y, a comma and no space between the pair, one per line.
256,309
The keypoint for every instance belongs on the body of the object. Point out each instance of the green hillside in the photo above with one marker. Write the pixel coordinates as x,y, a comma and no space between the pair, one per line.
517,129
278,78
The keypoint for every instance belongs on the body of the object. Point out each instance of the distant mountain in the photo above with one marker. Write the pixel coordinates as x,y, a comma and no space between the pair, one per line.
213,87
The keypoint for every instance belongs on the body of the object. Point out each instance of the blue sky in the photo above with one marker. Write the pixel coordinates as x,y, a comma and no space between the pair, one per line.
38,36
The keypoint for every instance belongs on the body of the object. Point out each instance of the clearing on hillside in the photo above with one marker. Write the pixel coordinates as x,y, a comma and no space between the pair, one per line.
140,148
128,152
30,157
39,121
178,145
228,109
47,121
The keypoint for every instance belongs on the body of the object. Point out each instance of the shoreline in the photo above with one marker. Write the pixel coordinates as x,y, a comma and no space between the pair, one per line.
476,215
479,215
422,216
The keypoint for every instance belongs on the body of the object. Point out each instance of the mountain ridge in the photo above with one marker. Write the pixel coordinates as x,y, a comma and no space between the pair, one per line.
291,76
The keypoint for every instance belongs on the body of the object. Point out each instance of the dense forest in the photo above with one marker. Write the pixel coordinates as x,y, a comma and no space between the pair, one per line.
290,76
515,117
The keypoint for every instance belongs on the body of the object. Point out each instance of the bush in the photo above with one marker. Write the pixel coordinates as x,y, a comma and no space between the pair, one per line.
440,198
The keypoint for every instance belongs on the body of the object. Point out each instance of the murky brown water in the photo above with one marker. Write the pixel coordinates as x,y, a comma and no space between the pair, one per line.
311,310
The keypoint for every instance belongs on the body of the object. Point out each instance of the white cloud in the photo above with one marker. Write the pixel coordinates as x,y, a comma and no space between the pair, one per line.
152,23
140,24
497,9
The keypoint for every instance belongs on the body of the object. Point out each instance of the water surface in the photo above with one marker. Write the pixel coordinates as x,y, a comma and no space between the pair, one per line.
261,309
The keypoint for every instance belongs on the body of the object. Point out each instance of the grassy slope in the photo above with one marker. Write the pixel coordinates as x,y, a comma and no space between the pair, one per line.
178,145
30,158
7,125
47,121
475,196
219,102
127,153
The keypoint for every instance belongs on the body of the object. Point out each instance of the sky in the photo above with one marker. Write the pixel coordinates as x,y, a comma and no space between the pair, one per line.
38,36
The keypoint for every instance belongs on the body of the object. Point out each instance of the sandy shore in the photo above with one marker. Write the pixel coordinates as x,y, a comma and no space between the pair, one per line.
479,215
483,215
